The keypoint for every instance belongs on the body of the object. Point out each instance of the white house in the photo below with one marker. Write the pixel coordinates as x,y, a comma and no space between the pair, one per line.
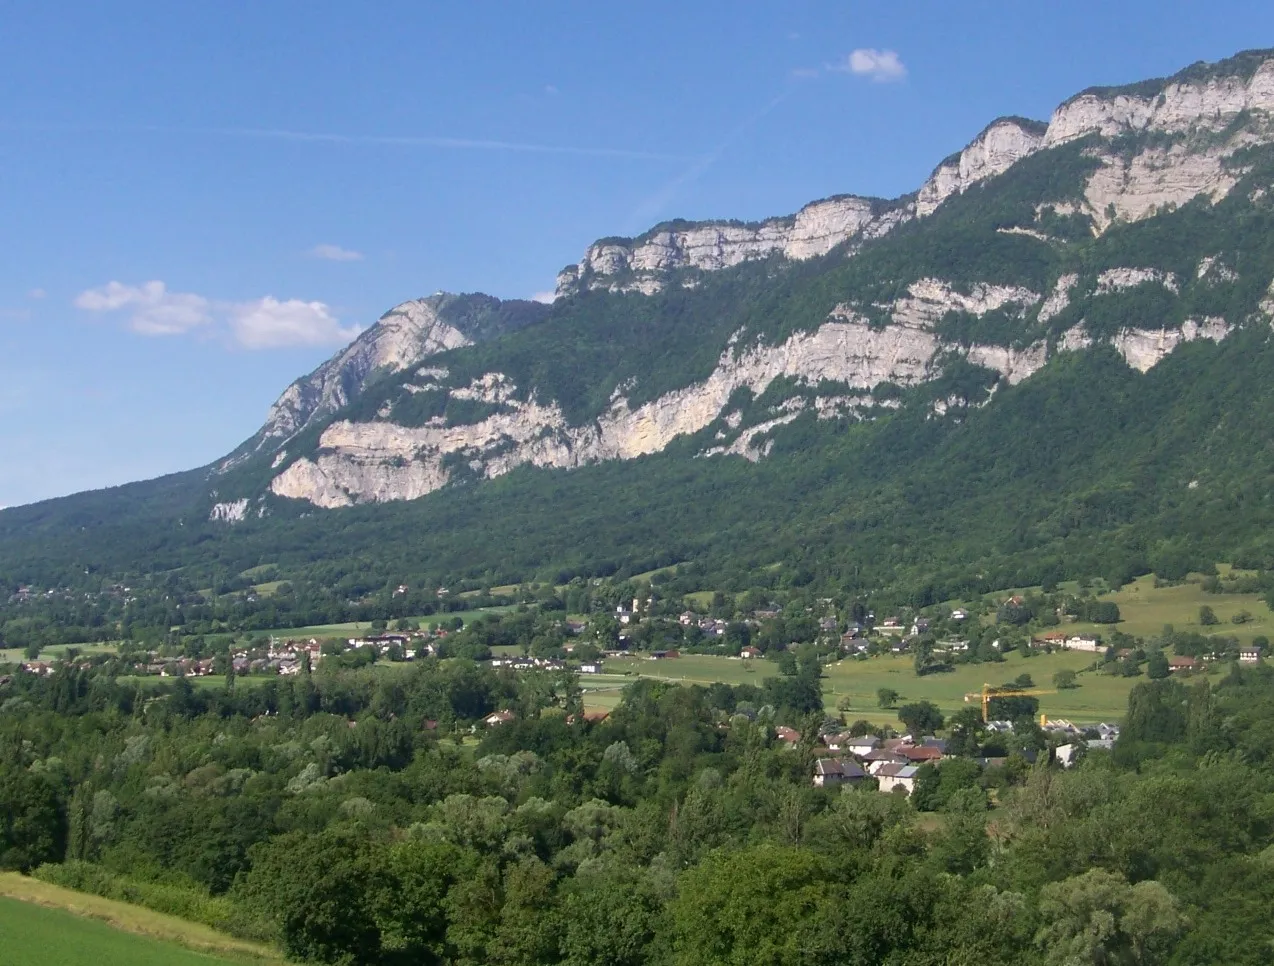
891,777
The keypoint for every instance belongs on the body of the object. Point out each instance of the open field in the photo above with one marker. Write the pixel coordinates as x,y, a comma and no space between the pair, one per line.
1098,697
52,926
603,692
1145,609
53,651
365,627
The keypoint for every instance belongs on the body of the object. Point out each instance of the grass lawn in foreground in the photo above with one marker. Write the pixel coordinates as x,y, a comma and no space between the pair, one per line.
44,925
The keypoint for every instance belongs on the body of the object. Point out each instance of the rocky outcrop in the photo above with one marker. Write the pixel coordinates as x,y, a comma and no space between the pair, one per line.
1192,126
1145,348
1198,121
995,150
378,461
234,511
403,335
1194,100
1119,279
640,264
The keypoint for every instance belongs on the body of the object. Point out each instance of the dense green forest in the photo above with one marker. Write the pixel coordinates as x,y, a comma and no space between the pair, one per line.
352,818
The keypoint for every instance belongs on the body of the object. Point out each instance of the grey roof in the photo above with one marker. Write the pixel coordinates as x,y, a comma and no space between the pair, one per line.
897,771
840,767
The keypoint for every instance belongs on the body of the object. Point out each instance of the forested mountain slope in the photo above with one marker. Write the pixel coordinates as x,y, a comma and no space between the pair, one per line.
1053,358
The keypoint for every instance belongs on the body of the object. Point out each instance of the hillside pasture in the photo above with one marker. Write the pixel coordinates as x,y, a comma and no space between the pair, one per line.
45,925
1144,609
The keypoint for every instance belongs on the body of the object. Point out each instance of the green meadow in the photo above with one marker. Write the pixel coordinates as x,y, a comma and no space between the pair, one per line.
1099,697
44,925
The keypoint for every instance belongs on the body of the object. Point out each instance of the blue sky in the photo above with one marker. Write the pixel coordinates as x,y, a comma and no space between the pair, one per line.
200,202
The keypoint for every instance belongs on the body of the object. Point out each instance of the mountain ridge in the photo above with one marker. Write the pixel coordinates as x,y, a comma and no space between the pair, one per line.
1125,243
1082,179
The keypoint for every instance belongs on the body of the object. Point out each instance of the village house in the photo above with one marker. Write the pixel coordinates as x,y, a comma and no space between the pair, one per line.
837,771
687,618
920,754
750,652
1176,664
789,736
862,745
498,718
959,614
891,777
593,667
879,758
1249,653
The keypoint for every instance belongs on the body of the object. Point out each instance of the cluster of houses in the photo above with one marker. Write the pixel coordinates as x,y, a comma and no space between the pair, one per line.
893,762
1069,642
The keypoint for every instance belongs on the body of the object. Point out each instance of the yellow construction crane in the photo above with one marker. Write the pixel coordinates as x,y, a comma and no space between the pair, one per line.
988,692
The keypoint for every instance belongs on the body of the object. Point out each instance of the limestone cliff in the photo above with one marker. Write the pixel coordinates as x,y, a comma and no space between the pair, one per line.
994,151
640,264
1133,153
378,461
404,335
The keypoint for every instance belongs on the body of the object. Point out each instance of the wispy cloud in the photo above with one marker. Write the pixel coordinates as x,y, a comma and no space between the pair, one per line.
335,253
265,323
153,310
325,137
881,66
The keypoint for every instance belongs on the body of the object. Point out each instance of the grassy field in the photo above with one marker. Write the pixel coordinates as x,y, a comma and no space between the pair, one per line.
1144,610
44,925
365,627
1098,697
53,652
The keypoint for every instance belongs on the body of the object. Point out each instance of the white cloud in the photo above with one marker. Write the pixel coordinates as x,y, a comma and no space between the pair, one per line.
335,253
268,323
265,323
546,297
36,293
881,66
153,309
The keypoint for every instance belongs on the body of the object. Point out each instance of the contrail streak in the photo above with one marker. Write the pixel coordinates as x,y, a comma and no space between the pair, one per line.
324,137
